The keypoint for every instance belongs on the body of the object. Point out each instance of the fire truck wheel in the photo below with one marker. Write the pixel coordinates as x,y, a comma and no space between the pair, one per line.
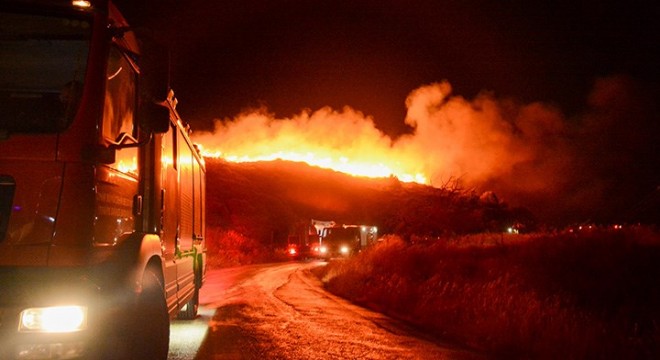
151,337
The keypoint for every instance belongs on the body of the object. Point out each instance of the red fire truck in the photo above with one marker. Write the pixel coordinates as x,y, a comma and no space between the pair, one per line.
101,189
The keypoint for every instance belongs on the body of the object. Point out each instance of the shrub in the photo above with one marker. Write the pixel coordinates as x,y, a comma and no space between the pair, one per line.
567,295
231,248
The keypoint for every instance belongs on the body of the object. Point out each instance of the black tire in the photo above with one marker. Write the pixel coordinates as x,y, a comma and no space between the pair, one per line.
151,325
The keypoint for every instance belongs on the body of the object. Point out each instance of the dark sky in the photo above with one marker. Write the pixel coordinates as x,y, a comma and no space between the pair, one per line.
595,61
290,55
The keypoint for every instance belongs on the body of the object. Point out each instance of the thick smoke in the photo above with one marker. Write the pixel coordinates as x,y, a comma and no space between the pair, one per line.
484,139
529,154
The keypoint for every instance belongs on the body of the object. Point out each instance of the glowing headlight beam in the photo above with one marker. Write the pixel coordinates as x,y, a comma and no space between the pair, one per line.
55,319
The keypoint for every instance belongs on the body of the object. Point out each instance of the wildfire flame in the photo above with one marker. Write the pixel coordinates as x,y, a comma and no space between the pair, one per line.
452,138
361,166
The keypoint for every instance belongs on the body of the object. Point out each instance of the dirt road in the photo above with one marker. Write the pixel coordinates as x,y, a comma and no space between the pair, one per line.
281,311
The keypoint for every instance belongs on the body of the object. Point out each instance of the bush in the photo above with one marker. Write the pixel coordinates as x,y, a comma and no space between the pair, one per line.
227,248
586,295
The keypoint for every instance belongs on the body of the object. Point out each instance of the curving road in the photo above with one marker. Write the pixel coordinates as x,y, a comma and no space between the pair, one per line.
281,311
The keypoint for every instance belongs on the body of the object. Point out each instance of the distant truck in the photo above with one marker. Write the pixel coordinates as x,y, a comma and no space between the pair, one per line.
327,239
345,240
102,191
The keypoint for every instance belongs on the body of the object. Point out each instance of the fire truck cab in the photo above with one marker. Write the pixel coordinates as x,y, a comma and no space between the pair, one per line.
102,192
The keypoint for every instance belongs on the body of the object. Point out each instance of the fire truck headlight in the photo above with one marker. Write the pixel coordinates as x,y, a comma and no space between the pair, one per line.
344,250
56,319
81,4
323,250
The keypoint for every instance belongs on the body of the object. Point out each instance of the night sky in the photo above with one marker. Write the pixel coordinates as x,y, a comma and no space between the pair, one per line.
229,56
594,63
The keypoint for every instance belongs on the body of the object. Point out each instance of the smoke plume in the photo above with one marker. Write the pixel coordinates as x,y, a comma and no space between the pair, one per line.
529,154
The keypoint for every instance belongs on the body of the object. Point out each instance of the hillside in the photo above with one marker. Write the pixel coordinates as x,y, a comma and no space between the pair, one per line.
266,200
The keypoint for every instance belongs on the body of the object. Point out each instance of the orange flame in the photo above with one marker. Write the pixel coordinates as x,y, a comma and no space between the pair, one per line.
453,138
323,159
342,141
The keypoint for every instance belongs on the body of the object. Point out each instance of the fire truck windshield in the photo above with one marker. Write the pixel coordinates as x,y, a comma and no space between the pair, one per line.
42,67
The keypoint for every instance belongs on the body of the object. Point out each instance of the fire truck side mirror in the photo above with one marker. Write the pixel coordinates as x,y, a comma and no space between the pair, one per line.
154,118
154,70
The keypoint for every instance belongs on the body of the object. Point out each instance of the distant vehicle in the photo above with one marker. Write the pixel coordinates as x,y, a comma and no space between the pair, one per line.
347,240
298,251
294,251
343,240
101,190
327,239
318,250
340,241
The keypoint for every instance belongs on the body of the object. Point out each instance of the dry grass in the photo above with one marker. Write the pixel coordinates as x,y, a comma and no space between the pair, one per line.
586,295
231,248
